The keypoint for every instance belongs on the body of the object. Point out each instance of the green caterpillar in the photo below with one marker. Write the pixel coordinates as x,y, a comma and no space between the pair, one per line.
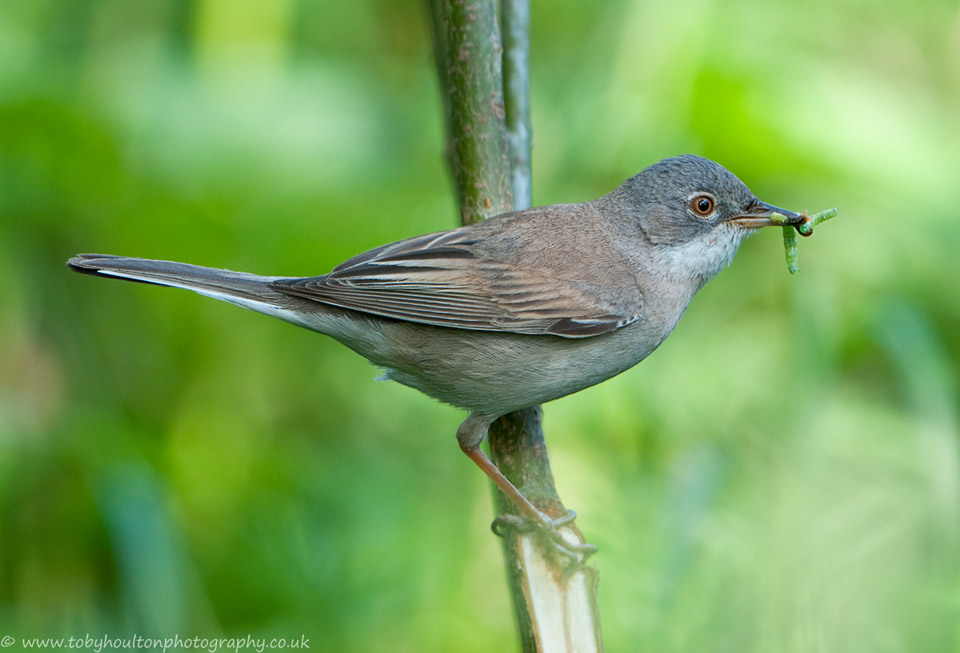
805,228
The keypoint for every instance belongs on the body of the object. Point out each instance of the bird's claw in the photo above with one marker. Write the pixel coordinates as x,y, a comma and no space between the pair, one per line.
549,528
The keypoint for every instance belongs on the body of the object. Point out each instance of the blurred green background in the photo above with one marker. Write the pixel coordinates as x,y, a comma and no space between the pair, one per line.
782,475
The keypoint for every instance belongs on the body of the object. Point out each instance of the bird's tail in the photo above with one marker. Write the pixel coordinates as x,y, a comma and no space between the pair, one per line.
241,288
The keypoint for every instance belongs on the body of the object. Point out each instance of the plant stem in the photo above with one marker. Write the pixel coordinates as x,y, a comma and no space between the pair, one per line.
488,145
472,86
515,17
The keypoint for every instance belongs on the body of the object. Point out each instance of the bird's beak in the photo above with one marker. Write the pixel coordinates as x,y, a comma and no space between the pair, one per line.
758,215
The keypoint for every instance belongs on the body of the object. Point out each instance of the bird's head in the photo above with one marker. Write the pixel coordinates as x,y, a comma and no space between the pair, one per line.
693,213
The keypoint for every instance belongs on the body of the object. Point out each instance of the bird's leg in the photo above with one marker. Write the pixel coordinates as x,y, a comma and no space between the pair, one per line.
469,435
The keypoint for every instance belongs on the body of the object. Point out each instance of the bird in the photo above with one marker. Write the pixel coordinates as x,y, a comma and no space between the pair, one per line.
515,311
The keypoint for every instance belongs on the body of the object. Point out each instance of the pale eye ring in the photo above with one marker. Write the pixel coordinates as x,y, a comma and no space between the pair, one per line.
702,205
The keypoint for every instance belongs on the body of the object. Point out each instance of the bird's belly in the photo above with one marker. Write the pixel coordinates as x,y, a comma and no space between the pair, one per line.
495,373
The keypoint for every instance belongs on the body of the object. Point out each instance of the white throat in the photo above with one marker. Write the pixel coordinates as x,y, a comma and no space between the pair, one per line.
700,259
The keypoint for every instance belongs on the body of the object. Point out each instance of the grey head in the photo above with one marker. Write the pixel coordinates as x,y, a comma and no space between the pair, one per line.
691,214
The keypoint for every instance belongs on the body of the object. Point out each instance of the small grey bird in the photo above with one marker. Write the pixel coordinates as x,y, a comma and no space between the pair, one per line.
515,311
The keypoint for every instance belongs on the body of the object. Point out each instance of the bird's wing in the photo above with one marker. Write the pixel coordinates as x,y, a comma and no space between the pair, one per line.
445,279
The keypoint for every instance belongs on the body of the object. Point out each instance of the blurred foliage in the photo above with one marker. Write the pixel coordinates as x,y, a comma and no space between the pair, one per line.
781,476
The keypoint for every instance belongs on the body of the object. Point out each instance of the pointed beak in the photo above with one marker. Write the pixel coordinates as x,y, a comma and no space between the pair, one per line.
758,215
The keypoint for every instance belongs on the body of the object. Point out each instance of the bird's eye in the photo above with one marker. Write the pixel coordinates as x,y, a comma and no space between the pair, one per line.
702,205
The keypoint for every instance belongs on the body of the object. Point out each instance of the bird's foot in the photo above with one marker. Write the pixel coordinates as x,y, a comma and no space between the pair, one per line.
564,541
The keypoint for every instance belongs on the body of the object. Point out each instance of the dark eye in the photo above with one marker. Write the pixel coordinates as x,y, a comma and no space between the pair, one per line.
702,205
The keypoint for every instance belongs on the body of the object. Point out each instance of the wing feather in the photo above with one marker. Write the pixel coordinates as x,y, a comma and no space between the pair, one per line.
444,279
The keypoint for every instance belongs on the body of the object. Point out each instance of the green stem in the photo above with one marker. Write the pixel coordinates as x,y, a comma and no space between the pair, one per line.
515,17
467,38
555,604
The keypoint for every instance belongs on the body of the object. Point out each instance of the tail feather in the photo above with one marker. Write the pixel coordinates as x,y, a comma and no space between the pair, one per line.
178,275
241,288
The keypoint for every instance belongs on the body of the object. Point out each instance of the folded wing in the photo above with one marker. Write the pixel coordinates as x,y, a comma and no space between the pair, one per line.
444,280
